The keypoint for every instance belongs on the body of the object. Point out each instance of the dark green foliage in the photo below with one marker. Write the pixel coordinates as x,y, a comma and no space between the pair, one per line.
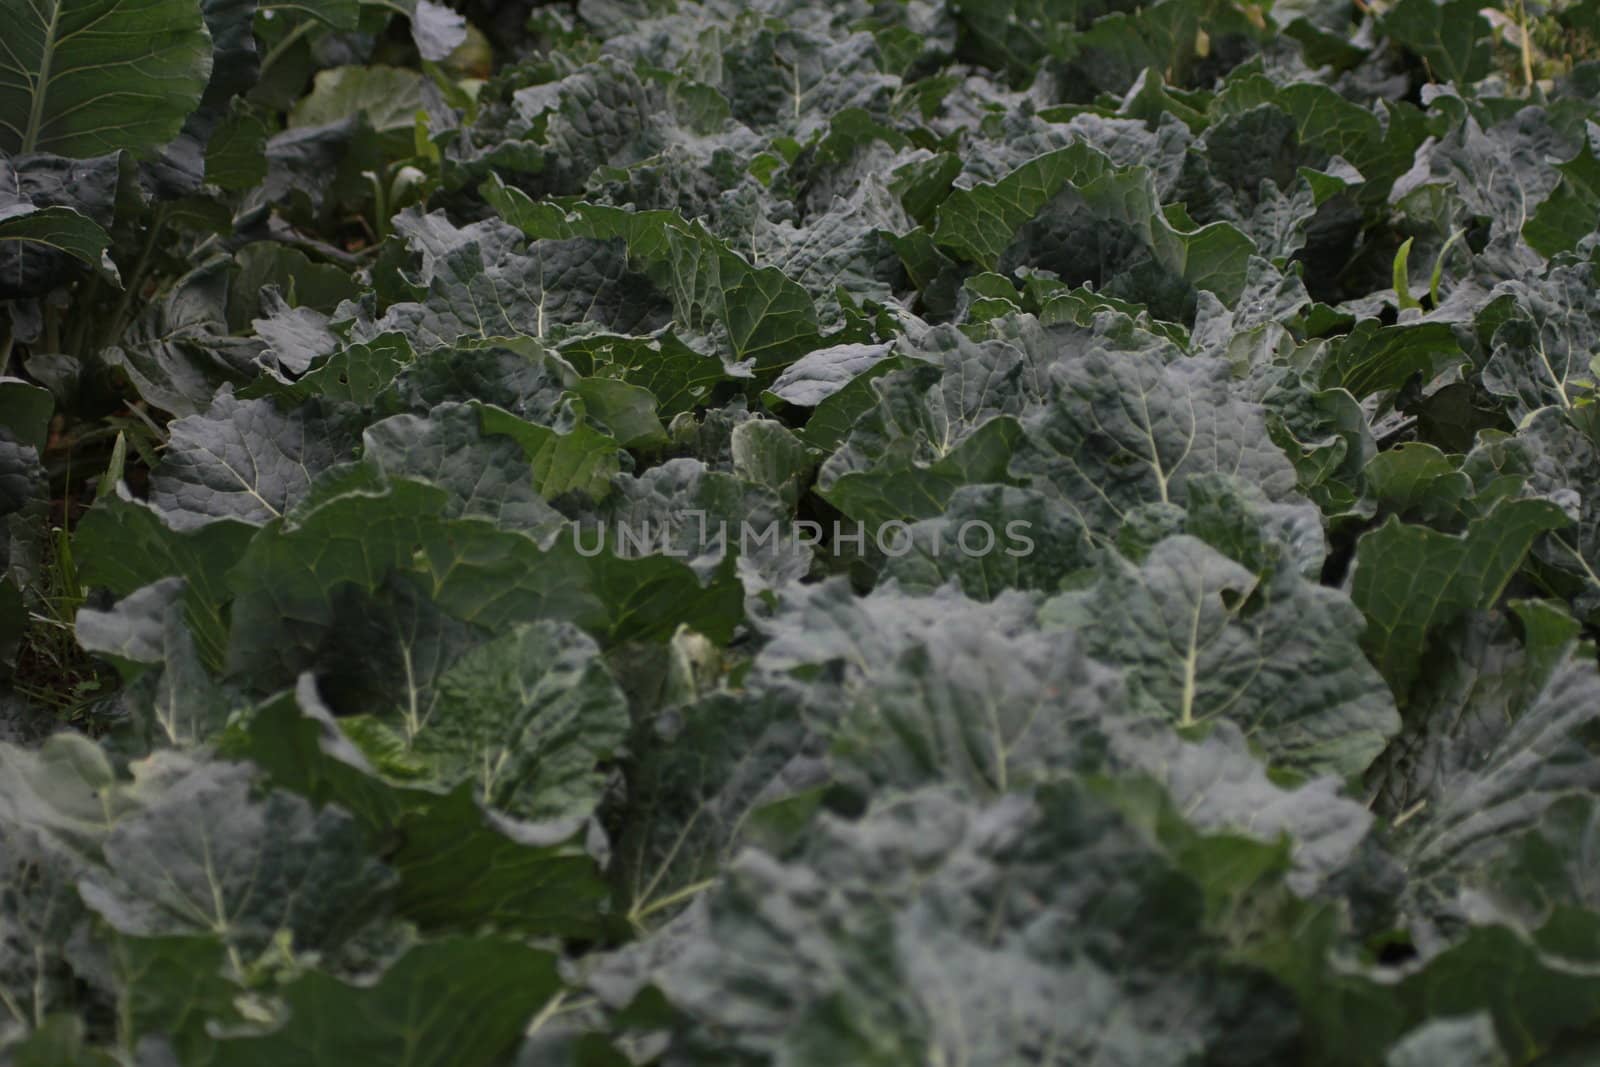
674,532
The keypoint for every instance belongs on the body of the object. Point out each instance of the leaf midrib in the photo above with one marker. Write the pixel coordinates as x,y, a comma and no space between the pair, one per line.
30,137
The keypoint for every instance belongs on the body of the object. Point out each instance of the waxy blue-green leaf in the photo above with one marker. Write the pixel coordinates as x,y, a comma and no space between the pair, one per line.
1231,516
526,719
1329,122
1553,455
1127,429
41,914
1325,433
1570,211
486,475
710,768
1477,791
181,349
818,375
170,989
65,789
179,703
357,373
1202,638
991,538
978,223
933,427
627,412
881,942
205,858
1040,213
760,313
913,688
436,29
1542,352
1194,666
245,461
766,453
485,282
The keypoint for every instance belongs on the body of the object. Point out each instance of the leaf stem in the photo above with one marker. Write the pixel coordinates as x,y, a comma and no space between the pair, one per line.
118,321
380,205
1411,812
390,4
13,1007
677,896
546,1013
52,327
85,315
289,39
7,340
1438,264
39,999
1527,45
1594,579
41,87
143,416
1401,273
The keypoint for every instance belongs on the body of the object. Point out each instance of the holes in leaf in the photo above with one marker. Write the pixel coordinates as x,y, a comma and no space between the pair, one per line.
1395,953
1242,603
1478,235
